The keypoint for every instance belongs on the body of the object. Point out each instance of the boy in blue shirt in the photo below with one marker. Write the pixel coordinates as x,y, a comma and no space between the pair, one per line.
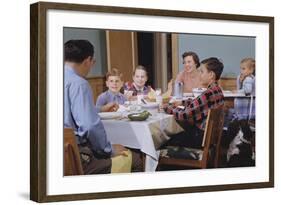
114,83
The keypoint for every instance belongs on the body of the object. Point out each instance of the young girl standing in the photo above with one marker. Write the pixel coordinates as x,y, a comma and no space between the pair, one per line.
245,107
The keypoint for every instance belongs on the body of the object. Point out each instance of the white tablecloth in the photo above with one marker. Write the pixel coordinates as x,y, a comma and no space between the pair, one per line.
146,135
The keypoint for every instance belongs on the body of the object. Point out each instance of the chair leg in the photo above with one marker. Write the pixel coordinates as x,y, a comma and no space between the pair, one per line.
143,160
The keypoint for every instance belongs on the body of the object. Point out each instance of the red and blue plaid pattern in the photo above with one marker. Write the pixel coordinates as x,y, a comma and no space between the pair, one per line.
195,111
131,87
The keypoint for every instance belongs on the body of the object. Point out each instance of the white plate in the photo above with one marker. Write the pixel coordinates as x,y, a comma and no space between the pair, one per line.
110,115
188,95
150,105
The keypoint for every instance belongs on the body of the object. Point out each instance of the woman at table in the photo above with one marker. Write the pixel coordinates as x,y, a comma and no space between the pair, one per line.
190,76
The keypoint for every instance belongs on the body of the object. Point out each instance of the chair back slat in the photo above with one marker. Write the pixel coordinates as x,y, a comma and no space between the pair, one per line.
212,135
72,161
210,144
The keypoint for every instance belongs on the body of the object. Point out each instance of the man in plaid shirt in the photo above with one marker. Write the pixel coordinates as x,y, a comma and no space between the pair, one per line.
193,113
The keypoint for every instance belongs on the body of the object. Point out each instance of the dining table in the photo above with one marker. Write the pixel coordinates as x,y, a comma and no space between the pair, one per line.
147,135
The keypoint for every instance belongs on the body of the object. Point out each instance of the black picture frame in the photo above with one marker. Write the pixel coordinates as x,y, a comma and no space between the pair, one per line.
38,100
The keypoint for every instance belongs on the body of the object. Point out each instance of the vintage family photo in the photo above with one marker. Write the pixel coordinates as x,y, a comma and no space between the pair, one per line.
139,101
136,102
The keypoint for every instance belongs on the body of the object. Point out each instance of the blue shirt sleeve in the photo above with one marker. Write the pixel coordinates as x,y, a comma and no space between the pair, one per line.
248,85
87,119
101,100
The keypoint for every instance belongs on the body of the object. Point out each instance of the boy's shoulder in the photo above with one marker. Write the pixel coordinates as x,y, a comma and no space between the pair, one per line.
105,93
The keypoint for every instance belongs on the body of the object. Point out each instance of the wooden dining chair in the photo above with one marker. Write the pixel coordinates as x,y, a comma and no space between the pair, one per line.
208,155
72,161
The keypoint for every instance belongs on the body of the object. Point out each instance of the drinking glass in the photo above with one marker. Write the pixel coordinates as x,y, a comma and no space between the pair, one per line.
158,91
139,97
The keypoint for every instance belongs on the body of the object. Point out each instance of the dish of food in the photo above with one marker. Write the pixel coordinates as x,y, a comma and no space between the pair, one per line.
151,96
139,116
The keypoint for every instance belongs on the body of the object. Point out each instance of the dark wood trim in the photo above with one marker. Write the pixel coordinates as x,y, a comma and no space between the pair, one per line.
271,101
34,103
38,103
154,12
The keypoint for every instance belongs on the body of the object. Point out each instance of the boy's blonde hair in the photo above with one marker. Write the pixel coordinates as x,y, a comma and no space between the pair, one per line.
114,72
250,63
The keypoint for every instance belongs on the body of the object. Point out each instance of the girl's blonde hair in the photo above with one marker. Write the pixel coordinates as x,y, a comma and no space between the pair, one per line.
250,63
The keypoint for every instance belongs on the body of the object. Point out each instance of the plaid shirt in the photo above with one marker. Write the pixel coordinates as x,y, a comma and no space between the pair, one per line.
195,111
131,87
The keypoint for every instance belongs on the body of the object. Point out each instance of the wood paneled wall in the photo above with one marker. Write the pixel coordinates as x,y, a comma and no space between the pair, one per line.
122,52
228,83
98,86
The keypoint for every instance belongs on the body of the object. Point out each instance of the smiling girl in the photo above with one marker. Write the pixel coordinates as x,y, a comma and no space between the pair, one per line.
139,80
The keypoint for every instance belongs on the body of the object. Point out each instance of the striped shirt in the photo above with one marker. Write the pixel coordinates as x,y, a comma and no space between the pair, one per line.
196,110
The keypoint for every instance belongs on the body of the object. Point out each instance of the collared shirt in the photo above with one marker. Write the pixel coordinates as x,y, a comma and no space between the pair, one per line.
81,115
195,111
243,105
131,87
108,96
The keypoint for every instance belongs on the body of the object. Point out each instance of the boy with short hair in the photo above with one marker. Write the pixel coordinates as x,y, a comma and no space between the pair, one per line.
114,83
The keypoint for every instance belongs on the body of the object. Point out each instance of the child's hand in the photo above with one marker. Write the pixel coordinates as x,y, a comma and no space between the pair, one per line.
244,75
177,103
110,107
128,94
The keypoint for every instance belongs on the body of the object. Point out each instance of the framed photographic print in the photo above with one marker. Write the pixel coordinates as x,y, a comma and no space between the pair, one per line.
161,41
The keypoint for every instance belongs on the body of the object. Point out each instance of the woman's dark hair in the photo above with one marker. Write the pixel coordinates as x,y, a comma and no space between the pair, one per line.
215,65
194,56
78,50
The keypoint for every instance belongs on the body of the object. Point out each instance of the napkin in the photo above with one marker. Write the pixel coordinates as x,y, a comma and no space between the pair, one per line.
121,163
